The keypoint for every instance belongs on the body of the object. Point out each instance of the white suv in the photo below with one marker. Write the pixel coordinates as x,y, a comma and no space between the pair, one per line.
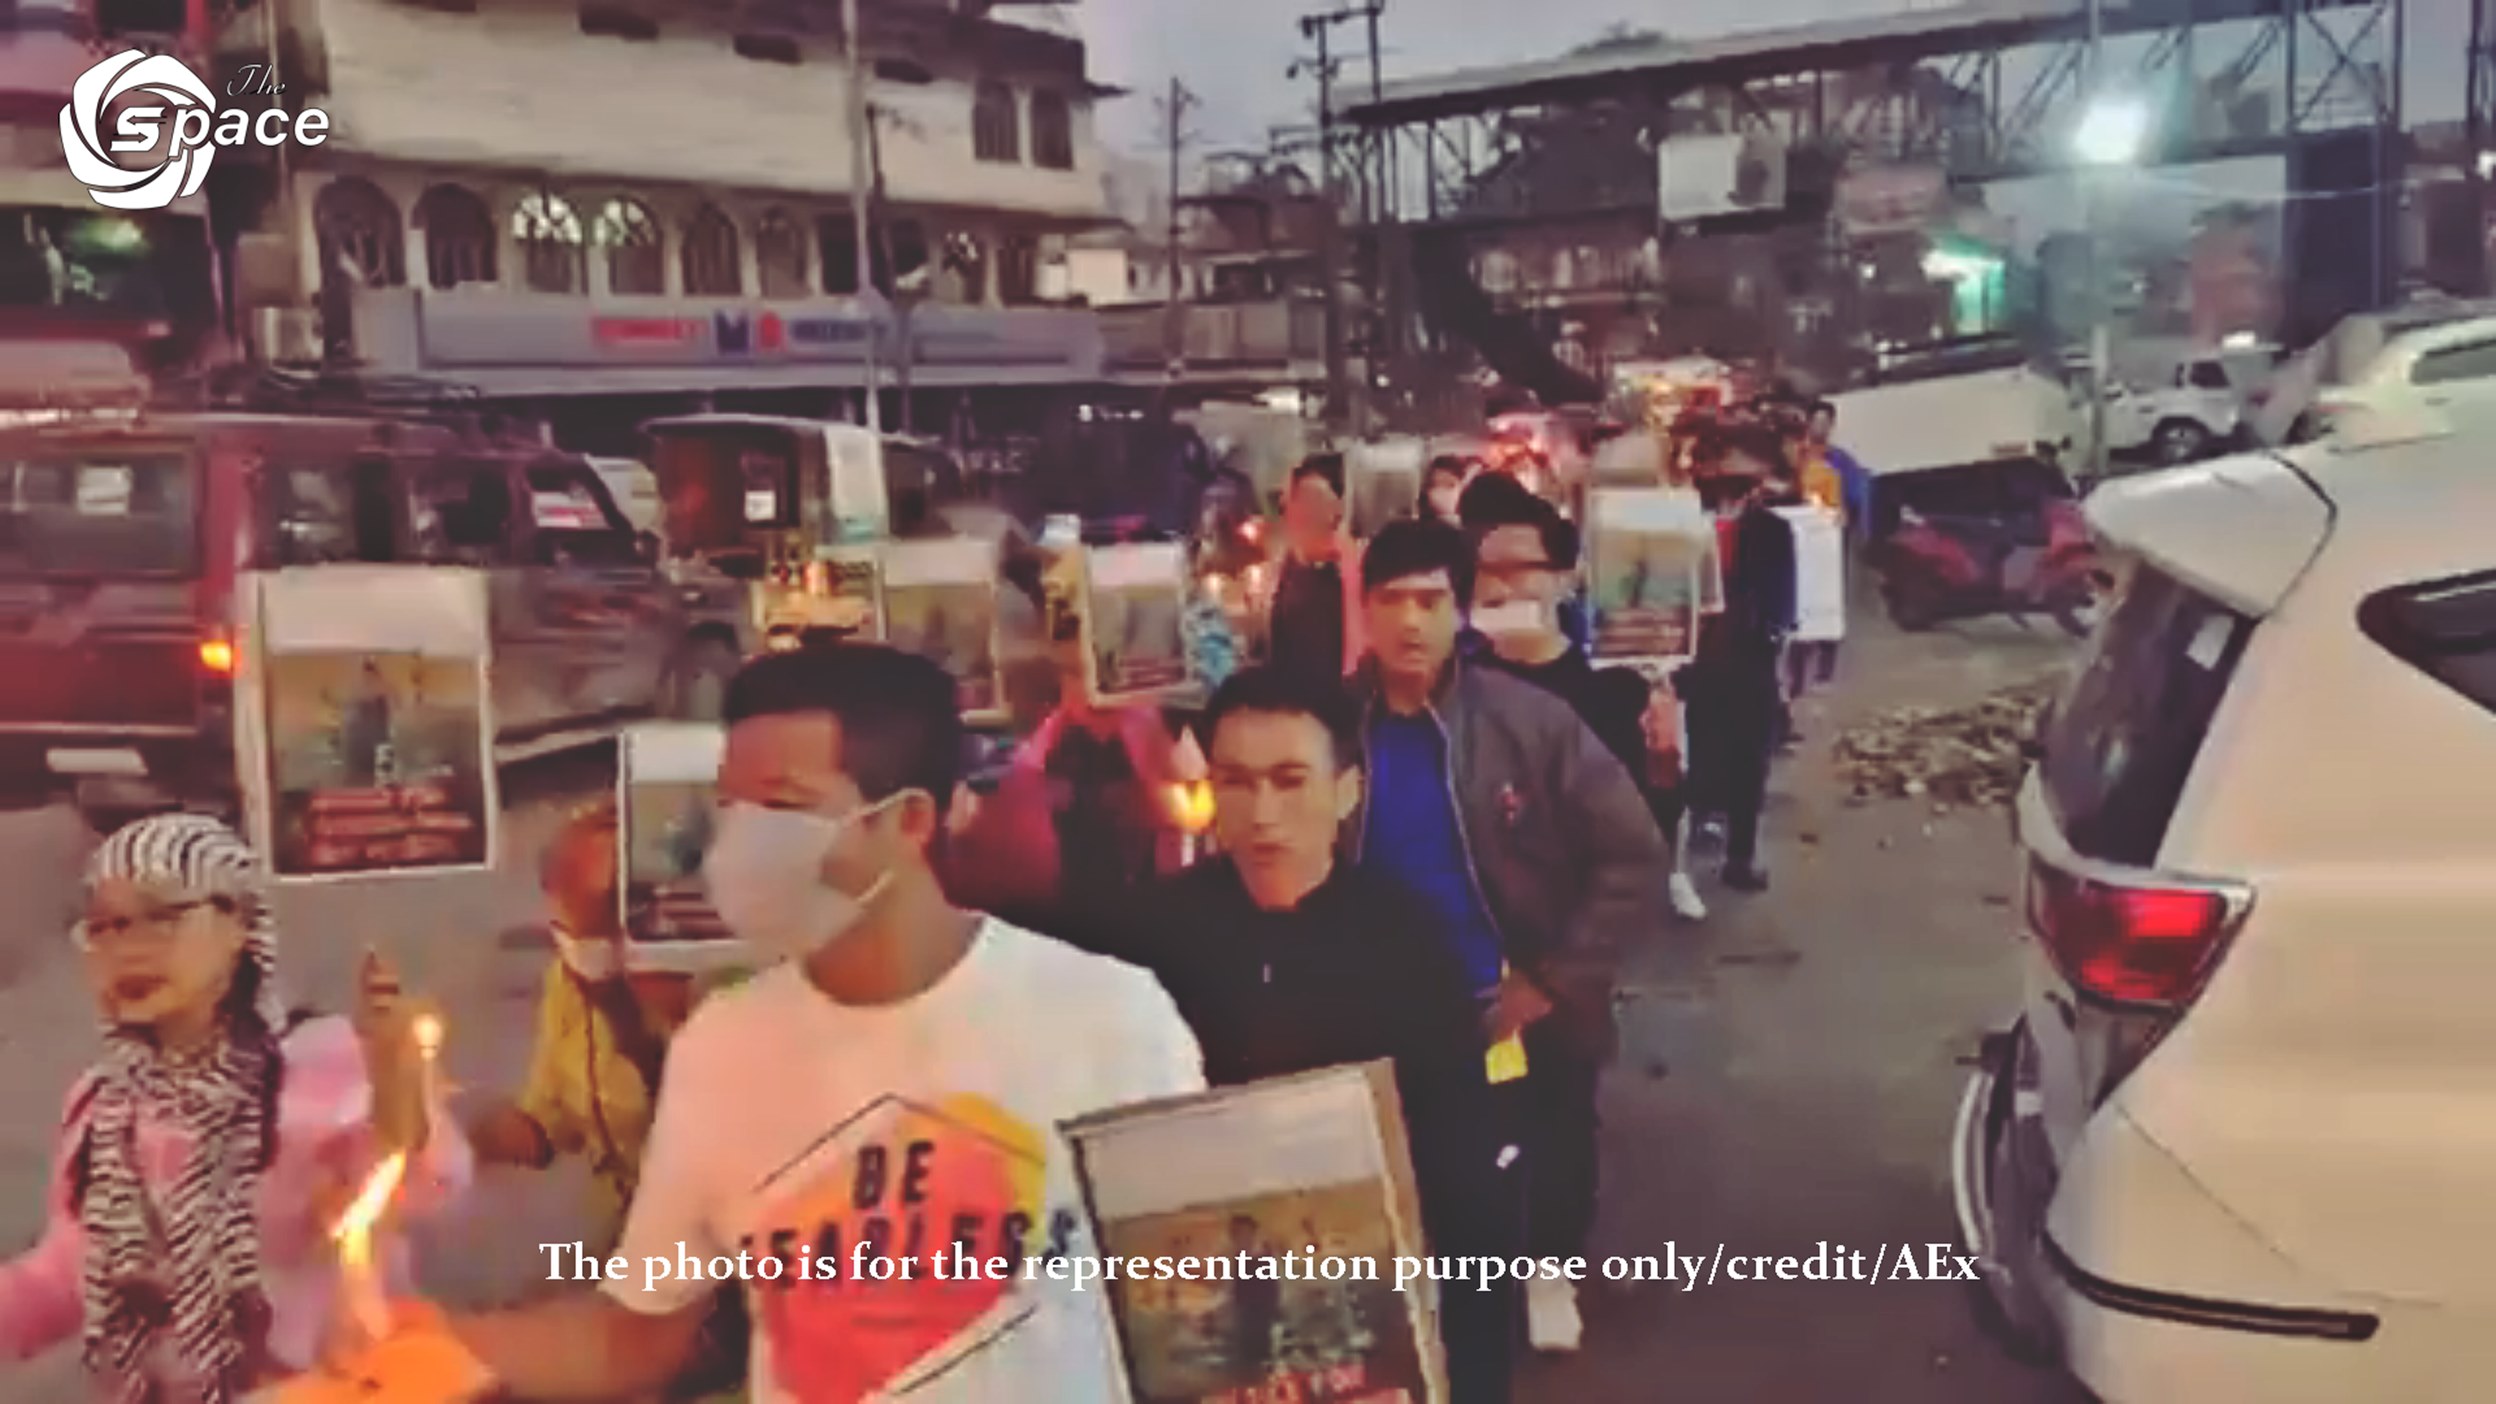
2242,1143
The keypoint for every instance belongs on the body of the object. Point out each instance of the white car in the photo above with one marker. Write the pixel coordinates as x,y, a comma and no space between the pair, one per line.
2380,358
2241,1144
2201,409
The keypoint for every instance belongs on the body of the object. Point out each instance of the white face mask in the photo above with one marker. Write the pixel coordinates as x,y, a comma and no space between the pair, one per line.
766,878
590,957
1514,617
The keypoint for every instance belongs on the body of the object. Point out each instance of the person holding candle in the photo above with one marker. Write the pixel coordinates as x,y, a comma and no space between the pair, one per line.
202,1160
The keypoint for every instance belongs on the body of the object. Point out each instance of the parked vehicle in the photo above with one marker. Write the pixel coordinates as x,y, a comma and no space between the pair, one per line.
122,538
2237,1144
2201,408
2003,538
1908,427
2370,358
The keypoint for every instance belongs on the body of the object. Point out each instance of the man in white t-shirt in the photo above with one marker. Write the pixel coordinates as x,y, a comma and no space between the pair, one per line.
890,1091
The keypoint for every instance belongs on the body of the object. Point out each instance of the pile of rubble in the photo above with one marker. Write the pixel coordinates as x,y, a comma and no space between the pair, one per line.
1963,755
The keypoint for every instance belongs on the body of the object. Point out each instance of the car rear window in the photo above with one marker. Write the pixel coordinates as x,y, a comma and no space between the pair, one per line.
2443,628
2123,740
99,514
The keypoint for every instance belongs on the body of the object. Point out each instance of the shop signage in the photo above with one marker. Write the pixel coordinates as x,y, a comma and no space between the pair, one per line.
483,331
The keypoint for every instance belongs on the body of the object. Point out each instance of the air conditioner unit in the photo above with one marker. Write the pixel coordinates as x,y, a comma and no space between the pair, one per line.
283,336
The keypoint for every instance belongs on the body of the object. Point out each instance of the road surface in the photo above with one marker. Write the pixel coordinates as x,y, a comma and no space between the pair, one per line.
1789,1077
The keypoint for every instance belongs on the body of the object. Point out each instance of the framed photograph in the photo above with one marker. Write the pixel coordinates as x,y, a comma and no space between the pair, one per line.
1651,558
367,722
1819,573
1385,482
1309,1164
842,588
940,602
1135,611
666,803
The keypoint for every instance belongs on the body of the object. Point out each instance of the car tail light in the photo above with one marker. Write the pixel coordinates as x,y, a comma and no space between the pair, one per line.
2138,944
217,656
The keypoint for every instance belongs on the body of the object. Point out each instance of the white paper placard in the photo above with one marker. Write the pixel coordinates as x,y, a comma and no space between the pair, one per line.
366,721
940,602
667,785
1819,573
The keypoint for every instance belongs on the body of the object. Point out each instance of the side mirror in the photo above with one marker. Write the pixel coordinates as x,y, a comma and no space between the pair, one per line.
647,544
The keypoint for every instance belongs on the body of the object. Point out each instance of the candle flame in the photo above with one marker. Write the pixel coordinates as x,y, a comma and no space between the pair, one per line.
354,1232
428,1029
1191,806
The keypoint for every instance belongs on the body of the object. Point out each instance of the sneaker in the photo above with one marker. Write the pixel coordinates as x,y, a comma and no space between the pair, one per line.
1685,897
1551,1319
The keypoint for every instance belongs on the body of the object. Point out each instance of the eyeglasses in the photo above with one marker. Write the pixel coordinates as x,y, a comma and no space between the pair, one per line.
152,929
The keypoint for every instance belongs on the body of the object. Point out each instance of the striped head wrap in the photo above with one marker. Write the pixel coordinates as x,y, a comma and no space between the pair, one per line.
172,1272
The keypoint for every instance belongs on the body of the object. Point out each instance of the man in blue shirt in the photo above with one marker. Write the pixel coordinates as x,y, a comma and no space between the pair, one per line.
1530,843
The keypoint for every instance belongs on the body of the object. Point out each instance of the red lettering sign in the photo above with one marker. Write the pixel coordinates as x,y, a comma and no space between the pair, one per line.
645,331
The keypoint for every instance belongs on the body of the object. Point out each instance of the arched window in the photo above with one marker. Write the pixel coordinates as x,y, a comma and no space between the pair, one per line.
549,235
996,124
459,237
713,263
780,256
636,252
359,227
1052,132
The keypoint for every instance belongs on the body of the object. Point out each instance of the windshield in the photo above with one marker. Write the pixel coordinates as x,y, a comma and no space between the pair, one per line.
98,514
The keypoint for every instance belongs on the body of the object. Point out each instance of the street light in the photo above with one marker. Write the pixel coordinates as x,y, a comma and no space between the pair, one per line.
2112,131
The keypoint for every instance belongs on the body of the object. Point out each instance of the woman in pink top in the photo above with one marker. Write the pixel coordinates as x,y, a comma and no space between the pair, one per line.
202,1156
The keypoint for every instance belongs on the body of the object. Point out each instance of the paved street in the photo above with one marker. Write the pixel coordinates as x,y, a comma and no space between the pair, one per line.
1790,1074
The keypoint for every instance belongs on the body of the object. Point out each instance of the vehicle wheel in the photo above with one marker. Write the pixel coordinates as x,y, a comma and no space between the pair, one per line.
1912,607
697,683
2178,441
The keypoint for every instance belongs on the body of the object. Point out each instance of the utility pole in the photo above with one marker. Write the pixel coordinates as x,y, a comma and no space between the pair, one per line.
861,184
2100,336
1342,409
1174,331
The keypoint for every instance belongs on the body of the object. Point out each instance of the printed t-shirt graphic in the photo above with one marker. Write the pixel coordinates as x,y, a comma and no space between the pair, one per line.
906,1182
791,1123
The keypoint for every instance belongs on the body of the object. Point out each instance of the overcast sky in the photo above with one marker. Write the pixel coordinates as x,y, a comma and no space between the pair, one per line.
1234,53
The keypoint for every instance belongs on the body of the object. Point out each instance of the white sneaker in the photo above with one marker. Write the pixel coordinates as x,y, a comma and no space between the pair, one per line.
1685,897
1551,1319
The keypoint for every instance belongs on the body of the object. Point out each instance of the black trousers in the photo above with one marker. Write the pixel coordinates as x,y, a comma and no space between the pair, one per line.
1558,1128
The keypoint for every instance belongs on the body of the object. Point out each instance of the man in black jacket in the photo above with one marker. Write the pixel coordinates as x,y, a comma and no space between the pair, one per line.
1284,959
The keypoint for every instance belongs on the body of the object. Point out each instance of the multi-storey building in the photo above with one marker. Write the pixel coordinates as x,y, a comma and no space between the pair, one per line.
604,209
69,268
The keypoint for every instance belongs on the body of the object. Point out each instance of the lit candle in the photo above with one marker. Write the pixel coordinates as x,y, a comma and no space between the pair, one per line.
359,1275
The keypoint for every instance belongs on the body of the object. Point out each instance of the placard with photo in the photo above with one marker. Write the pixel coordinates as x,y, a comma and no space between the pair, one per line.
366,731
1135,617
940,601
1279,1167
1651,573
1819,573
667,788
